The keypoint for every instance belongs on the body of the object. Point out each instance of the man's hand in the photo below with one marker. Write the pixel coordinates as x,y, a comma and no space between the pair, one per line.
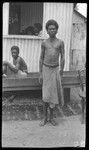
61,72
41,78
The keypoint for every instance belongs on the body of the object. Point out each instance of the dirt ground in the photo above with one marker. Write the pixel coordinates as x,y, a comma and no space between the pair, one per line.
68,133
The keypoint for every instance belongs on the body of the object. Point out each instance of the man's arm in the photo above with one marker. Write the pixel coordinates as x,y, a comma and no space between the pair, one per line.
14,68
41,57
62,57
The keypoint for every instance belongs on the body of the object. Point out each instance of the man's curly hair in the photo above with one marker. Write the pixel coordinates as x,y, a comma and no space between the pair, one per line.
16,48
52,22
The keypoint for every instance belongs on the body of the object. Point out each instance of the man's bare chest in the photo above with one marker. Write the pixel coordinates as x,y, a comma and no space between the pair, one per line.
52,48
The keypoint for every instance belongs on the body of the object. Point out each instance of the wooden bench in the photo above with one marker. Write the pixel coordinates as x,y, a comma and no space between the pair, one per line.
70,79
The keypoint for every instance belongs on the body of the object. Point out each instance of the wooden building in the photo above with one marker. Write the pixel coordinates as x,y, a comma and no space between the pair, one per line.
18,16
78,41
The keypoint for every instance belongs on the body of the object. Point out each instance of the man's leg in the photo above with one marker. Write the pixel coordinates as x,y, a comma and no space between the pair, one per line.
45,109
21,74
52,121
10,73
4,69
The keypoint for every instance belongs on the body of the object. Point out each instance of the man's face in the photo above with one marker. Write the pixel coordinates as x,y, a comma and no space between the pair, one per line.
36,31
14,53
52,31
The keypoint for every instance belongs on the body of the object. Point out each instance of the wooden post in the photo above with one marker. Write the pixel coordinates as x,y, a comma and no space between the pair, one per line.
5,18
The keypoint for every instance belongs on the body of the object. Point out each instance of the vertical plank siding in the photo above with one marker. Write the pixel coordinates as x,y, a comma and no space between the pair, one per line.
6,18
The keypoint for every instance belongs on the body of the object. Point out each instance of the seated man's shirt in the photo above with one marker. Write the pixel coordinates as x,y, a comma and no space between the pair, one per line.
21,62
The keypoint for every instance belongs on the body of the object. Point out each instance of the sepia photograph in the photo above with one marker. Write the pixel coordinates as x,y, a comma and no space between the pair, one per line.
44,74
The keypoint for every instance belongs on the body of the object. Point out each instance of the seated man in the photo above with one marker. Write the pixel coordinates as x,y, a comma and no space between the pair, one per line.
18,67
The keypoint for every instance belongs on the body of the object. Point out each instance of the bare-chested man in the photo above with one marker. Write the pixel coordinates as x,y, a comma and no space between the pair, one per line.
50,74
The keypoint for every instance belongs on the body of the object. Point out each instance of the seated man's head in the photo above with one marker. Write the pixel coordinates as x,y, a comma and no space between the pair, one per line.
15,51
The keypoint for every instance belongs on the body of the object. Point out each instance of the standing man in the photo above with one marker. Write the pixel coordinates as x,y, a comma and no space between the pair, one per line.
50,75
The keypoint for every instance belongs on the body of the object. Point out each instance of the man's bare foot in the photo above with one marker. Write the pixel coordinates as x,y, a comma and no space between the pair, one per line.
53,122
43,122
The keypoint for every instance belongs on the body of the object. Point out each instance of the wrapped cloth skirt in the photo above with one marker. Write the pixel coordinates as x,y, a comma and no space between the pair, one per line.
52,90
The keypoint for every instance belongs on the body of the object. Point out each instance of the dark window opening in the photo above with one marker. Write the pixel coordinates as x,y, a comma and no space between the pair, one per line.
14,18
26,18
